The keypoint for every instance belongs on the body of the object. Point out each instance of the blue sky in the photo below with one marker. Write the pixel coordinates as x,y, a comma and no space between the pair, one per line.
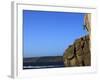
49,33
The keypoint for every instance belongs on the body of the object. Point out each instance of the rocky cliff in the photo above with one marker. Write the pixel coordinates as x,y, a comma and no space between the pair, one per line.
78,54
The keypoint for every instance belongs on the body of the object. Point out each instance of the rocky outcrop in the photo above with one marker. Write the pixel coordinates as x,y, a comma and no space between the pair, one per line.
78,54
87,22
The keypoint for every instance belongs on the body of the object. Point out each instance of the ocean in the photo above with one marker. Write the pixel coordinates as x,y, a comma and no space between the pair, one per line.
42,65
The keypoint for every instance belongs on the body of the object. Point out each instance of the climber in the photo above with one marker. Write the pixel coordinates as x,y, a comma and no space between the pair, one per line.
87,22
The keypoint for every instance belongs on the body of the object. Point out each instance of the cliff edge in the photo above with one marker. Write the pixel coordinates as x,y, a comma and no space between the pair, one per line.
78,54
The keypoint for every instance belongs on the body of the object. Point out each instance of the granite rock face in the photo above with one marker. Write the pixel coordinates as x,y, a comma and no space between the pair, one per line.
78,54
